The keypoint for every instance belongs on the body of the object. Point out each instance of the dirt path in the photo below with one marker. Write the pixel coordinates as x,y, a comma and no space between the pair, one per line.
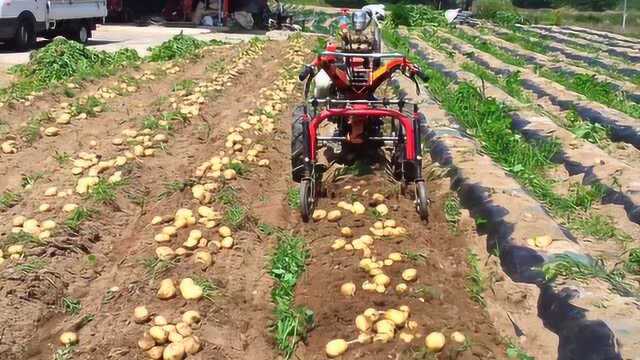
108,285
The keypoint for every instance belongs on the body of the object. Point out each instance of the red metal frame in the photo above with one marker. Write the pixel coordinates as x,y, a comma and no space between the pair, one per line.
407,123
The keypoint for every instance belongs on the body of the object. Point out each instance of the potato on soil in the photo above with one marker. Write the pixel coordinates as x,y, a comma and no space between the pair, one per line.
362,323
458,337
155,352
434,341
192,318
318,214
189,289
167,289
191,344
336,347
348,289
174,351
409,274
141,315
146,342
334,215
68,338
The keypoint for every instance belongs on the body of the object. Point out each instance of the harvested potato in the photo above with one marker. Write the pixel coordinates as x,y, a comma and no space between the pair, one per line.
382,209
18,220
68,338
406,337
336,347
334,215
227,242
318,214
348,289
204,258
395,256
458,337
184,329
385,326
173,351
398,317
377,199
224,231
338,244
167,289
165,253
381,279
160,320
191,344
141,315
175,337
155,352
401,288
371,314
409,274
146,342
357,208
190,290
159,334
362,323
346,231
434,341
192,318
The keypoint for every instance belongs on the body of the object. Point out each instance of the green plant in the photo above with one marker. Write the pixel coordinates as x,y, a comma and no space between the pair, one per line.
416,257
599,227
21,238
591,132
31,131
28,181
228,195
87,105
568,267
632,264
62,60
64,353
235,216
240,168
104,191
175,186
293,198
9,199
179,46
33,265
452,210
416,15
476,281
71,306
489,48
62,158
514,351
77,217
285,267
155,267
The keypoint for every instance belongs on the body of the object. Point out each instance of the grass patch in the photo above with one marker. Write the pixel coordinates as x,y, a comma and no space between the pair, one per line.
591,132
64,353
514,351
71,306
632,265
155,267
293,198
476,282
236,216
240,168
286,265
9,199
104,192
600,227
31,266
228,196
30,133
416,257
175,186
62,158
77,217
178,47
28,181
567,267
489,48
21,238
452,211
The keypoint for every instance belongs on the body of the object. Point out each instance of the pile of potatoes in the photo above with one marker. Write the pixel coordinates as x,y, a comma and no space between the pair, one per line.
169,340
41,230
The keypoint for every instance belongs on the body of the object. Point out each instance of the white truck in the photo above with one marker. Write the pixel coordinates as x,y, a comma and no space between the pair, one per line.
21,21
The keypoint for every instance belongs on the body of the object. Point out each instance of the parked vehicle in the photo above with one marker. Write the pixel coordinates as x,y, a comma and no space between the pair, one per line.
21,21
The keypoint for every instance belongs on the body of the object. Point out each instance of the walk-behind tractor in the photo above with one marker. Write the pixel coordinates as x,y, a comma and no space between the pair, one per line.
364,124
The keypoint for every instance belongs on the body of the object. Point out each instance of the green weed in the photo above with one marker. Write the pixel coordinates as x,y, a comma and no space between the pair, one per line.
599,227
64,353
452,210
71,306
9,199
632,265
567,267
104,192
293,198
514,351
178,47
155,267
285,267
22,238
77,217
62,158
416,257
28,181
476,282
236,216
209,289
228,195
175,186
240,168
591,132
33,265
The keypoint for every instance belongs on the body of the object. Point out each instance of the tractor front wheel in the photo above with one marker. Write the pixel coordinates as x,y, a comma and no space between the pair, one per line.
307,199
422,200
297,144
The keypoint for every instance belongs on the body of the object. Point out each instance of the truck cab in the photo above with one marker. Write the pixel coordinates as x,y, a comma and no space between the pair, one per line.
22,21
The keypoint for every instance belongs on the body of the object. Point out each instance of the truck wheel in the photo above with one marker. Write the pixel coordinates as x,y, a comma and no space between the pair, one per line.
80,33
25,38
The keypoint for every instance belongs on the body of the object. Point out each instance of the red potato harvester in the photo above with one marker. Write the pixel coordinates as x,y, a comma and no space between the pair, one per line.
359,117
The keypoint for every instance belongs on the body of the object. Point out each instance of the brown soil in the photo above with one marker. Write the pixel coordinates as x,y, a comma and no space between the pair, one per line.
110,286
438,299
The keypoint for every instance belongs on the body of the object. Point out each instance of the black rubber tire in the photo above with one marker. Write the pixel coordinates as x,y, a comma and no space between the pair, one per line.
422,200
307,199
80,33
297,145
25,37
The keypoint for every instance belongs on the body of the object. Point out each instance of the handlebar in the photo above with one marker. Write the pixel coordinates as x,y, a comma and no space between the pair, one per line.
305,73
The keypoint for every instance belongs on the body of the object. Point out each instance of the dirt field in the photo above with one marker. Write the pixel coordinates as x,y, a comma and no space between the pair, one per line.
153,209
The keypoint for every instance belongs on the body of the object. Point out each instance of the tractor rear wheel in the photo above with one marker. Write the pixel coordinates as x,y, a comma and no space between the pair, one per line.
297,144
